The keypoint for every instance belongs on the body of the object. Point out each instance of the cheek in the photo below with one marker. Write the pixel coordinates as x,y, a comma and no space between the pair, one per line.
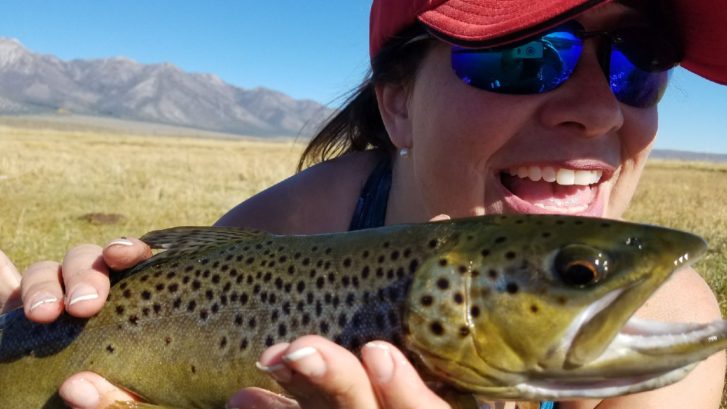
637,138
457,130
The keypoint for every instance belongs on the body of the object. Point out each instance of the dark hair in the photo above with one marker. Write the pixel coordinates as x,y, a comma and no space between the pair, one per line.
358,125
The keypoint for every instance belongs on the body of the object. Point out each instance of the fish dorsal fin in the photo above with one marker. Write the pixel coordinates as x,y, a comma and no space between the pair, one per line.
191,242
186,239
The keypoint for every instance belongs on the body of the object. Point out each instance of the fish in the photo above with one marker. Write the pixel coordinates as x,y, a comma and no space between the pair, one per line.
508,307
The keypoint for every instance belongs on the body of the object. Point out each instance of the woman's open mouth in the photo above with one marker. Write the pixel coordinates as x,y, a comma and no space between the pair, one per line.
554,189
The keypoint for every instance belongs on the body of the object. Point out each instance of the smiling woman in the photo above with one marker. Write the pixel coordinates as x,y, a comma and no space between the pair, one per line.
472,107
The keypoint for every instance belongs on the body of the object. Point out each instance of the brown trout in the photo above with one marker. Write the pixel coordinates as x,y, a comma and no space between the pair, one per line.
503,307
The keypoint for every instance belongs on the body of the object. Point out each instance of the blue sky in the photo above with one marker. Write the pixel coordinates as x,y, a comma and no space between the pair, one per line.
315,49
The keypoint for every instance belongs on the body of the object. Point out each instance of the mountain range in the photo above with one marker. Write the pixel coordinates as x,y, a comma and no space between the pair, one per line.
121,88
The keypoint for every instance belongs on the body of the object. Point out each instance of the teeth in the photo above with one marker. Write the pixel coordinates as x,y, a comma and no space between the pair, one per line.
562,176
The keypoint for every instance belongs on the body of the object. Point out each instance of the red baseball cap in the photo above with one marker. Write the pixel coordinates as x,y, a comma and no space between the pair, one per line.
702,24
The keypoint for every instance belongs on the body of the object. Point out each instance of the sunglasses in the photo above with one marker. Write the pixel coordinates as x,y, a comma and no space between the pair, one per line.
636,61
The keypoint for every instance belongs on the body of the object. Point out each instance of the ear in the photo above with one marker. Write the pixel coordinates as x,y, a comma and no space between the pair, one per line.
393,102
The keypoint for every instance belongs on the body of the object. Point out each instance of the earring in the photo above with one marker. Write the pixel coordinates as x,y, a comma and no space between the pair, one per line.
404,152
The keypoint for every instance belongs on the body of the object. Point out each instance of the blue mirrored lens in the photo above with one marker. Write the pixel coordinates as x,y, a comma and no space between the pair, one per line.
533,67
632,85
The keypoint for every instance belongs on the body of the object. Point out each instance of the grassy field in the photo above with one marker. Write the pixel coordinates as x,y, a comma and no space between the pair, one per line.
64,187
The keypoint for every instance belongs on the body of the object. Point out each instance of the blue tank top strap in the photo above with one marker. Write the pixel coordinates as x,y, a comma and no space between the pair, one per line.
371,205
548,405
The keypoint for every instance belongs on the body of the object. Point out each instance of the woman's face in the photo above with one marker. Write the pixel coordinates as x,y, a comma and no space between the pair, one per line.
466,143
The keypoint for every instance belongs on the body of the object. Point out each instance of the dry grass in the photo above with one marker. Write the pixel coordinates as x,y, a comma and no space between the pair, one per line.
63,187
53,182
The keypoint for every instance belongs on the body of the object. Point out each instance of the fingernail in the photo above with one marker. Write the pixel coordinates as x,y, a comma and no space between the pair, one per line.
121,242
82,394
308,361
379,361
42,299
82,292
279,372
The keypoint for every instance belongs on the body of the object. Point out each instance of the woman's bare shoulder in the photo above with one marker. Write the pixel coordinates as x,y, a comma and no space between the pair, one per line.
319,199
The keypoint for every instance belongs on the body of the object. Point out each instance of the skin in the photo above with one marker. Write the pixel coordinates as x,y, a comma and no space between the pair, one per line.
438,118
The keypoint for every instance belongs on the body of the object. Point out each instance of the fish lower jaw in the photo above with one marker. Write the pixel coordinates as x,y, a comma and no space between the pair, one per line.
562,389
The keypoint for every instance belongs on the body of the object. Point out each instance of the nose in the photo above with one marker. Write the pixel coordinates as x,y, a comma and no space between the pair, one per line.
585,103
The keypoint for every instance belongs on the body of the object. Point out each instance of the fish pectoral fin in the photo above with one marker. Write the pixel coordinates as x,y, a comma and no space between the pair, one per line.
135,405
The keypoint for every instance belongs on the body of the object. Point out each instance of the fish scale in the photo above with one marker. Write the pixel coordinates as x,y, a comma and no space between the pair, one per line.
185,328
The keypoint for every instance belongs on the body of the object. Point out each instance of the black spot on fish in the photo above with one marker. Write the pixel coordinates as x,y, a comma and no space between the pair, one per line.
512,288
413,265
534,309
342,319
172,288
215,308
347,262
252,323
546,234
474,311
193,369
282,330
145,311
436,328
464,331
365,272
365,254
395,255
500,240
167,340
209,294
110,349
462,269
216,279
160,287
443,283
133,320
223,342
485,252
244,298
204,314
381,259
238,320
127,293
324,327
300,286
443,262
427,300
196,285
157,308
432,244
120,310
243,344
458,298
191,306
320,282
510,255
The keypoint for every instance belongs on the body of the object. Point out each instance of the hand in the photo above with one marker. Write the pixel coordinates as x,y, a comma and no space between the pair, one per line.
9,285
84,273
320,374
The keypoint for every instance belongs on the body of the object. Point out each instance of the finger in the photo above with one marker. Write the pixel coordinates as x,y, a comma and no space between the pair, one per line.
9,284
396,382
41,291
256,398
125,252
86,278
322,374
87,390
440,217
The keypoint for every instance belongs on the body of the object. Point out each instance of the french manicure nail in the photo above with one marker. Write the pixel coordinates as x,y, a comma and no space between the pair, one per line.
308,361
121,242
379,361
82,292
279,372
42,299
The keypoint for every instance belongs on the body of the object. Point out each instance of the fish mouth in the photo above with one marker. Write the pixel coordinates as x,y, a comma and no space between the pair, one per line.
571,188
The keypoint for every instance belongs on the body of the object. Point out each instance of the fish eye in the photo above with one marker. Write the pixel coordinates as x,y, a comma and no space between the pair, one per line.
579,265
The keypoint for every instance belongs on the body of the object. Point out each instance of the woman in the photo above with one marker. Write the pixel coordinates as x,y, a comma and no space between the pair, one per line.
474,107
